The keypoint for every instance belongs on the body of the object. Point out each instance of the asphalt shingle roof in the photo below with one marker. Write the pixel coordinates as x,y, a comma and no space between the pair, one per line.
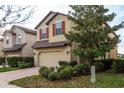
16,47
46,44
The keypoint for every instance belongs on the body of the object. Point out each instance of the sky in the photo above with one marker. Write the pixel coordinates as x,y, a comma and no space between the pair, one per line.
42,10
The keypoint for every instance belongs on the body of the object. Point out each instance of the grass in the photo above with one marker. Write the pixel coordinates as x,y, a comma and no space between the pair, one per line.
104,80
7,69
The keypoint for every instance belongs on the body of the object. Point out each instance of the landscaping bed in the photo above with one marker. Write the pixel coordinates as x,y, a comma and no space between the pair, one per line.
109,74
8,69
106,79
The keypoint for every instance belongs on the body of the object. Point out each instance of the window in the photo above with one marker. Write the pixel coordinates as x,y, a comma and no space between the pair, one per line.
59,28
7,39
44,33
19,38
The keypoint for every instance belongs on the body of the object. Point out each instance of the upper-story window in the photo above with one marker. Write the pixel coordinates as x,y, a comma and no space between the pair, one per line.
19,38
44,33
7,39
58,28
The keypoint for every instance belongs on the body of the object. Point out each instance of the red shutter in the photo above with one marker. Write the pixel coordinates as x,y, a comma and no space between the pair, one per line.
63,26
53,29
47,32
40,34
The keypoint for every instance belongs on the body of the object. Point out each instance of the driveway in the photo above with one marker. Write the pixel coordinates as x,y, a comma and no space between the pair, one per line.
5,77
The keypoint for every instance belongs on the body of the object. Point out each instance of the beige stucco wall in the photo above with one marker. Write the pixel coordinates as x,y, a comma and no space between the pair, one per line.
22,33
1,47
61,37
58,18
65,54
113,53
27,49
42,26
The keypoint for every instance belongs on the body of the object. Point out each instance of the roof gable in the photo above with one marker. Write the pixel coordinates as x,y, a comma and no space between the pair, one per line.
26,30
57,13
7,31
51,12
54,14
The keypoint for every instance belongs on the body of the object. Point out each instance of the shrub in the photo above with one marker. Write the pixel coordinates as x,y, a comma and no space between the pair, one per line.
60,68
70,68
53,76
73,63
80,69
42,69
107,63
119,66
13,61
99,66
45,73
52,69
65,74
2,60
28,60
63,63
22,65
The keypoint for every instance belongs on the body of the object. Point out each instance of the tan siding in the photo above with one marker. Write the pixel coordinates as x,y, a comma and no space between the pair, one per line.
1,47
27,50
57,38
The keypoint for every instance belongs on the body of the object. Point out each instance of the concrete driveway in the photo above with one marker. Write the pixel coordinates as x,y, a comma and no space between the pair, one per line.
5,77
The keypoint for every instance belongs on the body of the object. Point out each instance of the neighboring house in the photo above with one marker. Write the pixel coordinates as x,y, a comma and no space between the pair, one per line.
51,45
18,41
1,47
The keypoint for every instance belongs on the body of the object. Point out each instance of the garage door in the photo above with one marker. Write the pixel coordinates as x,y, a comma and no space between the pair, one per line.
50,59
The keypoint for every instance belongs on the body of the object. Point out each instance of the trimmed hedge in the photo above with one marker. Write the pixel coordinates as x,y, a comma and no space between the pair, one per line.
23,65
107,63
2,60
119,66
28,60
99,66
14,61
73,63
63,63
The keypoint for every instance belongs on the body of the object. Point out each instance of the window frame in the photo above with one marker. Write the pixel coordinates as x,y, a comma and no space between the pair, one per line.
58,28
42,32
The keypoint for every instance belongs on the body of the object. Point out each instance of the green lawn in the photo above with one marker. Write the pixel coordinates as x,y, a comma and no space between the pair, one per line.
104,80
7,69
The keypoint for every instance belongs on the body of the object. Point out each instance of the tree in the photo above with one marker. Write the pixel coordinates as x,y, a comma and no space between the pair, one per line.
89,34
12,14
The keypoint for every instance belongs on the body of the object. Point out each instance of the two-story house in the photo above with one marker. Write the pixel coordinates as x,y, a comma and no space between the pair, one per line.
1,47
18,41
51,45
